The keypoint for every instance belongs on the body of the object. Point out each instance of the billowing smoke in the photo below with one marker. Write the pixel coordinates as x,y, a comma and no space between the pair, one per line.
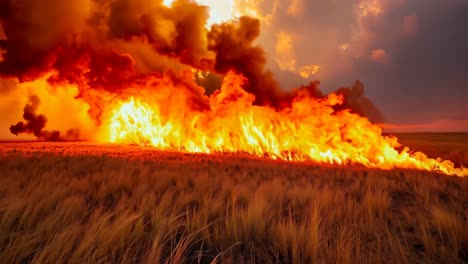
109,45
354,99
178,31
234,46
35,123
91,33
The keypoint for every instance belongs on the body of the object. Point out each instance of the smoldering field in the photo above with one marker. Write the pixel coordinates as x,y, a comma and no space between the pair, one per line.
87,203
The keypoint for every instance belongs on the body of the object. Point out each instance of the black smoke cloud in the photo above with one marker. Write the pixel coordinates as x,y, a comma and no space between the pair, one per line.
233,44
357,101
35,123
354,99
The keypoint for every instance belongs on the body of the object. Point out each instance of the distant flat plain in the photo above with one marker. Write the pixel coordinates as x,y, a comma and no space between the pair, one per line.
452,146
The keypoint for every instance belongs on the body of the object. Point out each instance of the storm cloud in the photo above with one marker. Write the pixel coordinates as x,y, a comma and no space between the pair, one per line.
412,56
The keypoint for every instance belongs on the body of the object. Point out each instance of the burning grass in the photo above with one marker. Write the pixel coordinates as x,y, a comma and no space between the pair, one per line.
451,146
85,203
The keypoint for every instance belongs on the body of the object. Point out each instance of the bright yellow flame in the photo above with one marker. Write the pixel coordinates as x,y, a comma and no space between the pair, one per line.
308,130
225,10
220,10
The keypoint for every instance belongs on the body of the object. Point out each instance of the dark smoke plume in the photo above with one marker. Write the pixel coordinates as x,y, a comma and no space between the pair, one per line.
35,123
354,99
233,44
96,44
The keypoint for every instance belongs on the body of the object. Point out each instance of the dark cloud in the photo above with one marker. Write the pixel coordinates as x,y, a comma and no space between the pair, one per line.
354,99
426,78
412,56
35,123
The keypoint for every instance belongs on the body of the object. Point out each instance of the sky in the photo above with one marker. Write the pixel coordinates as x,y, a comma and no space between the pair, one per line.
411,55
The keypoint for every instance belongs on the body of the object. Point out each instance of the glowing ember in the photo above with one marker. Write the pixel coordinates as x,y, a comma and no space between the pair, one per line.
310,129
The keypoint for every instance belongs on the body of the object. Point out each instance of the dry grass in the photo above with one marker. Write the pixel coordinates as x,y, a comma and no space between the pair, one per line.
82,203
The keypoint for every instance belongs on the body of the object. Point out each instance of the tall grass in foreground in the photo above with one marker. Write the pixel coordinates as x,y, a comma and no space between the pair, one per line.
97,209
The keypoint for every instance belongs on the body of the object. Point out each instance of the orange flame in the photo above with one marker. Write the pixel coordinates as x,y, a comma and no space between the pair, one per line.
309,130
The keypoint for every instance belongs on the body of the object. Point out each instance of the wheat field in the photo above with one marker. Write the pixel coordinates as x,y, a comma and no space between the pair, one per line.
88,203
